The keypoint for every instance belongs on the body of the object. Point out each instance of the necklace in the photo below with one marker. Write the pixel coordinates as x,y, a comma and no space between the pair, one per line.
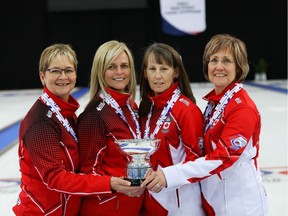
166,110
113,103
220,106
57,111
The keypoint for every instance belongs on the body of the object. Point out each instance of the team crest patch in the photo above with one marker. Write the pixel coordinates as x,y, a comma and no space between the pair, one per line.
166,124
216,121
238,142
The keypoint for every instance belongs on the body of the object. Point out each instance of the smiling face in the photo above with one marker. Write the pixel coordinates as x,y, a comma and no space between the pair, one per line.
221,69
117,76
160,76
59,84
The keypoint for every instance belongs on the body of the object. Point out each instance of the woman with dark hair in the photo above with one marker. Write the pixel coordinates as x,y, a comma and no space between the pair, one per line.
168,112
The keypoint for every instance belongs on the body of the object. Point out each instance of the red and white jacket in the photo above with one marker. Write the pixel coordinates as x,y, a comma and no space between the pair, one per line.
49,160
233,183
99,126
181,140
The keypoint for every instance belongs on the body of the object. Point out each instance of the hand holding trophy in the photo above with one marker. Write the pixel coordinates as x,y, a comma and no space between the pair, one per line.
140,150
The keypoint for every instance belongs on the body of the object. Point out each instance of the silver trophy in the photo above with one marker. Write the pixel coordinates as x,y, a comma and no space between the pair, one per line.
140,150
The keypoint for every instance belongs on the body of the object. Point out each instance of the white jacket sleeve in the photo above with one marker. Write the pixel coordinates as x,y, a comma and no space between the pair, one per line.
180,174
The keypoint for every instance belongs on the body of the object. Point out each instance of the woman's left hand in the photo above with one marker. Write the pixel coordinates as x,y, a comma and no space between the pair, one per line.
155,181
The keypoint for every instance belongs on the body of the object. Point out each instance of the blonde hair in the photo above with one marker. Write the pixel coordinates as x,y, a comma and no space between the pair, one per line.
51,52
104,56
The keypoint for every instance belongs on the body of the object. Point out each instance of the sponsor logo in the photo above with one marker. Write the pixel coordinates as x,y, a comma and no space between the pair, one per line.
49,114
201,143
184,101
100,106
274,174
238,100
214,146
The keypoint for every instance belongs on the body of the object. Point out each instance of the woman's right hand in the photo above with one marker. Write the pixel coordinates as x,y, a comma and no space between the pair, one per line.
124,186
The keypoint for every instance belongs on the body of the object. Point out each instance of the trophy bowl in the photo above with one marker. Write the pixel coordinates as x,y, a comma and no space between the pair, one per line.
140,151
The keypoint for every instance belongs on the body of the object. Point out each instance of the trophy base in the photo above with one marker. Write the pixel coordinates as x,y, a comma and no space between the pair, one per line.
135,182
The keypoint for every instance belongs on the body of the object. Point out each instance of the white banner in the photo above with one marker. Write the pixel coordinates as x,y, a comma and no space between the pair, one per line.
181,17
